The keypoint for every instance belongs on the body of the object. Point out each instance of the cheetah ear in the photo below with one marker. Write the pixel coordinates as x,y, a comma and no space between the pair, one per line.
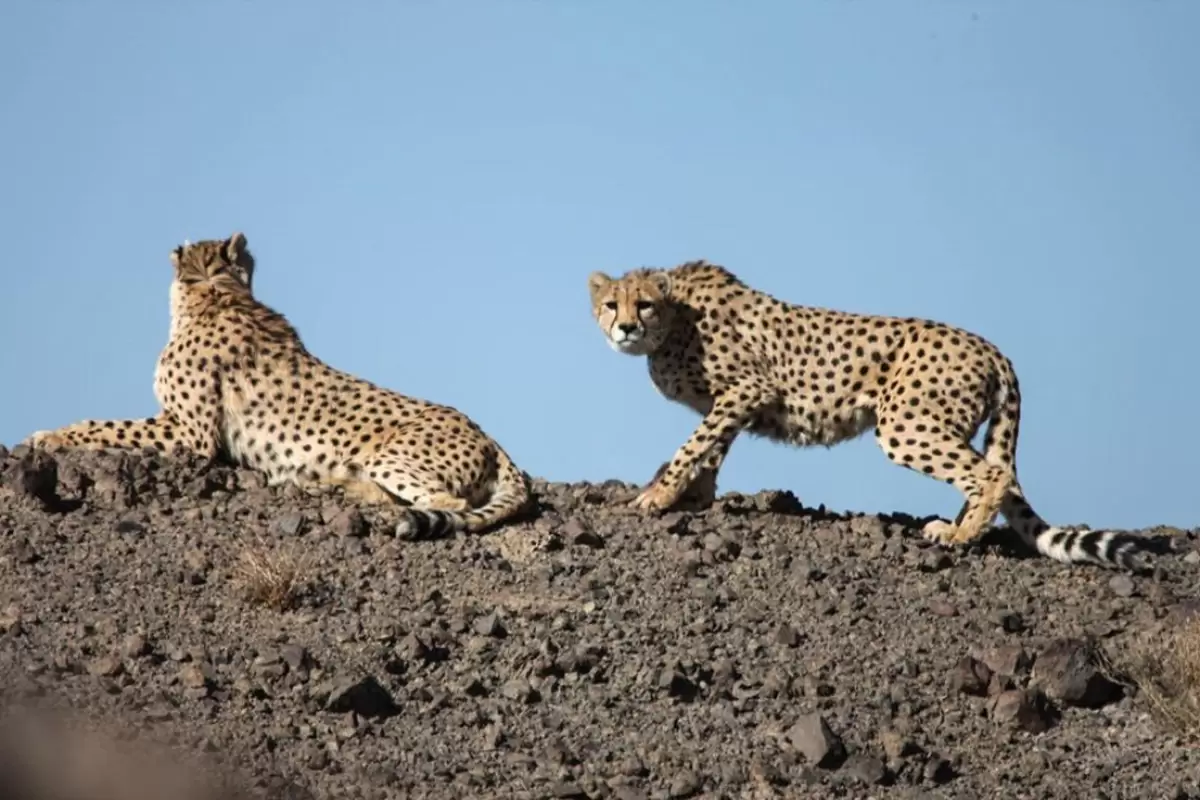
663,281
235,246
596,283
177,254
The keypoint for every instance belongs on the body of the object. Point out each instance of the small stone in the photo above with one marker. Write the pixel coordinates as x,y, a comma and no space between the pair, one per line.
365,697
35,475
1009,659
942,609
199,565
296,657
490,625
813,737
580,533
1000,684
936,562
567,789
631,767
685,784
722,548
868,769
1068,670
518,689
411,648
193,676
1025,708
629,793
1184,611
764,772
678,685
21,551
724,672
1192,558
290,524
1011,622
938,770
788,636
10,620
896,745
130,527
270,665
1122,585
318,759
135,646
105,666
970,677
348,524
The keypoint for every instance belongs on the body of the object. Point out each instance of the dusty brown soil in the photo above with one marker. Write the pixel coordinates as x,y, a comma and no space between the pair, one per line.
756,649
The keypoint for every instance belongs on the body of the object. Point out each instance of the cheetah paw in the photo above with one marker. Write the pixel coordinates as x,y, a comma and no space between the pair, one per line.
655,498
940,531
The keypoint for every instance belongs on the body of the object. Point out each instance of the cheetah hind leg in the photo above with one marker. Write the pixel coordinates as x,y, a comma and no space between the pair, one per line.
985,495
954,461
371,493
422,491
361,491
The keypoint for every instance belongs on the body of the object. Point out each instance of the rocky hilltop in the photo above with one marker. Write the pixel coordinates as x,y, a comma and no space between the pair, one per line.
760,648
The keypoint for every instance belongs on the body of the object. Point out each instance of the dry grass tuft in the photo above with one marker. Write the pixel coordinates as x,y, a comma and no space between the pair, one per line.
1165,666
271,576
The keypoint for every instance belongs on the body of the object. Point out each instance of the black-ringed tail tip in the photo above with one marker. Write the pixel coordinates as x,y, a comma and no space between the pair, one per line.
1114,549
421,525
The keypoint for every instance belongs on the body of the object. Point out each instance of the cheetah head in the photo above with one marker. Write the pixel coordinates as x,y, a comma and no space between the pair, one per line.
633,310
214,261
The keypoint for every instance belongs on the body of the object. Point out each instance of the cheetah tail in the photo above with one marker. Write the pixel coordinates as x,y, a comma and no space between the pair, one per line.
510,494
1105,548
1113,549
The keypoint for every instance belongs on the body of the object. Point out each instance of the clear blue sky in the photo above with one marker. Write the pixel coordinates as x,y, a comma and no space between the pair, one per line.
427,185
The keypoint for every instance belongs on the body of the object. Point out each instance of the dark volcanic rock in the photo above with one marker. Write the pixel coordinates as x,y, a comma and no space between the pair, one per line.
34,475
1025,708
971,677
365,697
1009,660
1069,672
813,737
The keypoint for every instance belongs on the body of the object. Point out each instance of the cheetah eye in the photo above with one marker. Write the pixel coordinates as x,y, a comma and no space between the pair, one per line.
644,305
611,305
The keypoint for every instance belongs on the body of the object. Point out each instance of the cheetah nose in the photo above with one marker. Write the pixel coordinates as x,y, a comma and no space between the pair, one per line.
627,327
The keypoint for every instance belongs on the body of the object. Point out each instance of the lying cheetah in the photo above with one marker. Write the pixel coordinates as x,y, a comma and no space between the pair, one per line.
813,376
235,379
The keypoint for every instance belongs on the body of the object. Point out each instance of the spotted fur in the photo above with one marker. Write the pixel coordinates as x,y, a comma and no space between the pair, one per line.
745,360
235,380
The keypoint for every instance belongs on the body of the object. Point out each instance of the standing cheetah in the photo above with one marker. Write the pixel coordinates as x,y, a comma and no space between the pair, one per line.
813,376
235,379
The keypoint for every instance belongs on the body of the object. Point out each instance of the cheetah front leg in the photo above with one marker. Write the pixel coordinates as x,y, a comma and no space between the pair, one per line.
702,492
161,432
198,431
706,448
